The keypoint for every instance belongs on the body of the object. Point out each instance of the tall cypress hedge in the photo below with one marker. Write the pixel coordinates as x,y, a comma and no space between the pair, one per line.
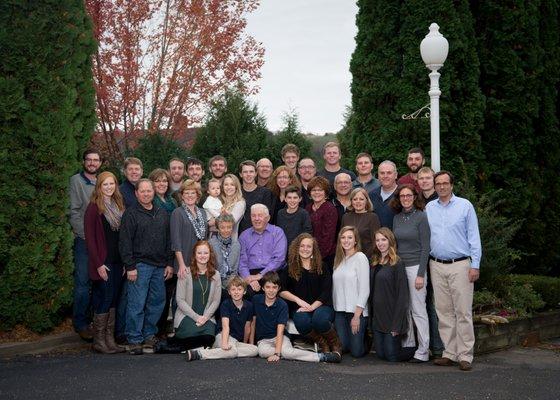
390,79
47,112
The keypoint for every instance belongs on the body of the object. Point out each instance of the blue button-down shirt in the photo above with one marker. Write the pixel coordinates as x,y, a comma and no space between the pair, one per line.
454,230
265,250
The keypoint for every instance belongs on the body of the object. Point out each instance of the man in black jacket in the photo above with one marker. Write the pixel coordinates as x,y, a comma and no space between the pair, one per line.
145,249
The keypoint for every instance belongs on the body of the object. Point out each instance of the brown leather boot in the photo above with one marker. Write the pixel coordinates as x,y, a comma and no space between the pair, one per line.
110,333
333,341
99,332
320,340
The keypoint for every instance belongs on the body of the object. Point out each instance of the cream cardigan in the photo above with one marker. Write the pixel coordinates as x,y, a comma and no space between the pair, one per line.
184,297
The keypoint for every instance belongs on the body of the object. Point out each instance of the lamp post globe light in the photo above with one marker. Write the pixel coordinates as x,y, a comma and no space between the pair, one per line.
433,49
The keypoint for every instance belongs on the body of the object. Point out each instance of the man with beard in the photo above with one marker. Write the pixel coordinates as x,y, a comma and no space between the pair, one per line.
81,188
306,172
218,167
414,162
177,173
133,171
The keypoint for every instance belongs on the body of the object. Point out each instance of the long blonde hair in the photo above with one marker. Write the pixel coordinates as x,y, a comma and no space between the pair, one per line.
339,255
377,258
238,196
97,195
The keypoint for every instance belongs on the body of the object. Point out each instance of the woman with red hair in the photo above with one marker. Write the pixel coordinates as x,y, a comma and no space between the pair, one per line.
102,223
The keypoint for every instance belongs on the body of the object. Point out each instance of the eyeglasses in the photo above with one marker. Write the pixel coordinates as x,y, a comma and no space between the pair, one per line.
307,166
444,184
406,196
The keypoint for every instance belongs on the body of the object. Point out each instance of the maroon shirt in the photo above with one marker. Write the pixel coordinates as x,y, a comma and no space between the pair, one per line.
410,180
324,222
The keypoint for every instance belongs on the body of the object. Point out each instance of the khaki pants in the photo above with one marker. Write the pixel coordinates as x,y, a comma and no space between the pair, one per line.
238,349
453,295
267,348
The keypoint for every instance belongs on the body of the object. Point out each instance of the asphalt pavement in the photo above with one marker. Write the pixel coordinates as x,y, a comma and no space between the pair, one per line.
518,373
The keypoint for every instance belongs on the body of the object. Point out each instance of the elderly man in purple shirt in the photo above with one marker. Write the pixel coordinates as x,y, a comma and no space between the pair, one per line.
263,248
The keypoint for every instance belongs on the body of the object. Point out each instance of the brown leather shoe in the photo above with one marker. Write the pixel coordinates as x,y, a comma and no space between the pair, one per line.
465,366
86,334
444,362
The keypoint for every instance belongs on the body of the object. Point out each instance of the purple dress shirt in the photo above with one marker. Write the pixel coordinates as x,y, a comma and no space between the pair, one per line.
266,251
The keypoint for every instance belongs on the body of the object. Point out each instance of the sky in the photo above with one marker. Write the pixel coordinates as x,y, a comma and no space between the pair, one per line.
308,45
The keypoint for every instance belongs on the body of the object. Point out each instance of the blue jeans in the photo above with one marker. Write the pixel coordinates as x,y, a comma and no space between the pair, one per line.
146,298
350,342
388,347
319,320
82,286
105,293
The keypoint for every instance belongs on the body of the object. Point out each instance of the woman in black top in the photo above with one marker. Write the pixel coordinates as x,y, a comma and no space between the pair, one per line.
307,287
389,299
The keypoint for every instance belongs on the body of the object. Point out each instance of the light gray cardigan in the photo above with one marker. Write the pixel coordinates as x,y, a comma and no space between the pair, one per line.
184,298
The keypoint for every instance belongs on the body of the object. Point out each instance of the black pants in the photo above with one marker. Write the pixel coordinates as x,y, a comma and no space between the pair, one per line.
175,345
170,286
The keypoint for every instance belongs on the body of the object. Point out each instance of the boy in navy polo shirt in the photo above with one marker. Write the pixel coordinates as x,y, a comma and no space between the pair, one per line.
237,327
272,315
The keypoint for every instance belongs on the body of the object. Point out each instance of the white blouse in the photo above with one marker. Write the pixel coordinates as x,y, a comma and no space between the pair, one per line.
351,284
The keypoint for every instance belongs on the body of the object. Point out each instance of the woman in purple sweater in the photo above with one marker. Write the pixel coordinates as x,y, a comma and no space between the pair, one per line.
101,226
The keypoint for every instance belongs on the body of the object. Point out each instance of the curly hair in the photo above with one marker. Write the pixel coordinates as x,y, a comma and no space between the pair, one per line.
210,267
294,259
395,203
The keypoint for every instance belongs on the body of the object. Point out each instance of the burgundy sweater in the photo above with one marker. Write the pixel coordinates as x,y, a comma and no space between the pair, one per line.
95,240
324,222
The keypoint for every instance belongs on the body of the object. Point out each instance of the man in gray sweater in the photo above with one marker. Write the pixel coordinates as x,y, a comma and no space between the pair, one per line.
81,188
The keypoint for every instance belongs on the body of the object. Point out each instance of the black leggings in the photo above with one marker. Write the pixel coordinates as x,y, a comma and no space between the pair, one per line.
176,345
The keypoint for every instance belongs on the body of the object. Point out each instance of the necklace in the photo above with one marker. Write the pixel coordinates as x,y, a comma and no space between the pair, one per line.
202,288
406,216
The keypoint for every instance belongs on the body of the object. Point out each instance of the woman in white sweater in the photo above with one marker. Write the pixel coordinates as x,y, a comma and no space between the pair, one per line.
350,291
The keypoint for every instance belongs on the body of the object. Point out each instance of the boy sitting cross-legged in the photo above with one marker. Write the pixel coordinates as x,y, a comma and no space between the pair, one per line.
238,329
271,317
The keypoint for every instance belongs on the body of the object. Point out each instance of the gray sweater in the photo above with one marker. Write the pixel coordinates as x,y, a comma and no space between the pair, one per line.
81,189
412,232
184,297
183,236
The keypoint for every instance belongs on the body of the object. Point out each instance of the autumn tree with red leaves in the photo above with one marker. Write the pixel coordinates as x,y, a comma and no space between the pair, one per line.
160,62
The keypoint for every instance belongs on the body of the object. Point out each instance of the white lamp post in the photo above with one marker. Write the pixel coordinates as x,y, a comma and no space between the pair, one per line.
434,49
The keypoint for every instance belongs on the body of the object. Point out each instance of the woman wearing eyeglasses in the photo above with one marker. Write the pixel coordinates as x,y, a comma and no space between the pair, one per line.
412,231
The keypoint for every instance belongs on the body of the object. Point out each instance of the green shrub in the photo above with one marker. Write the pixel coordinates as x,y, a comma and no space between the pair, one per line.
484,300
547,287
48,114
523,300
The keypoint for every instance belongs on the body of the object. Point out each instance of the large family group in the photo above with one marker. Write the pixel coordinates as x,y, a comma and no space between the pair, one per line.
241,263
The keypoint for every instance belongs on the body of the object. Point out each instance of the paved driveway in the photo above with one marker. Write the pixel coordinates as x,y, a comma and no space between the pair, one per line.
515,374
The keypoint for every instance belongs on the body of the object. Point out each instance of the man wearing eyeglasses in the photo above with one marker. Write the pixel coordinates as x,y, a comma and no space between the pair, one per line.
454,266
81,188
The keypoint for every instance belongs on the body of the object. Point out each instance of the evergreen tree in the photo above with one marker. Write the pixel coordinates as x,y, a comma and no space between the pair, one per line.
166,150
235,129
47,113
518,47
390,79
290,133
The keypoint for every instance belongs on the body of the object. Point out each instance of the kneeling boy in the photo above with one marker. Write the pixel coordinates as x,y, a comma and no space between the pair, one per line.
271,317
237,335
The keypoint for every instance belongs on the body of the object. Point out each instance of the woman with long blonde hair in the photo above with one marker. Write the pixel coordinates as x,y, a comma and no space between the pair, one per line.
350,291
102,222
389,299
307,288
233,201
